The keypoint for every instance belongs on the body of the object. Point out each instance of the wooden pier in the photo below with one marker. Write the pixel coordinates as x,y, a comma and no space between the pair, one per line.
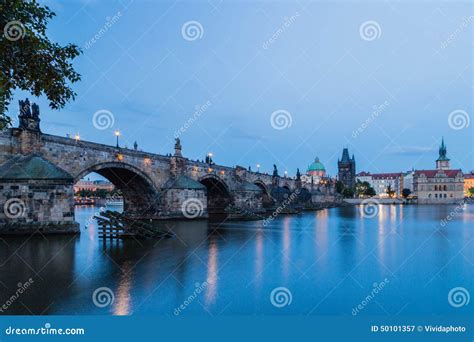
114,225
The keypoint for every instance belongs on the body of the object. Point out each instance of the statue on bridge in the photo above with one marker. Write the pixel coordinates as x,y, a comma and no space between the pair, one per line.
29,116
177,148
275,171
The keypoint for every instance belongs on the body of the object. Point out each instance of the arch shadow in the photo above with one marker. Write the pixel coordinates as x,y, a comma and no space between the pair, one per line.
140,196
267,200
219,196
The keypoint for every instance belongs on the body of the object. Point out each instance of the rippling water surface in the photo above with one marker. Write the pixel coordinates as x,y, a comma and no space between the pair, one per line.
328,261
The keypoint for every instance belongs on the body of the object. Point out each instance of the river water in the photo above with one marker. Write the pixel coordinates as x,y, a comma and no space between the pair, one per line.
403,261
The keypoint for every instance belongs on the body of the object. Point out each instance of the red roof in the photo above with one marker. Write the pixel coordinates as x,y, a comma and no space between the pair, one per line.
432,173
392,175
380,175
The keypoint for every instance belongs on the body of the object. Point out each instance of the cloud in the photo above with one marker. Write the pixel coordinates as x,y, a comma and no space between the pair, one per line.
240,134
409,150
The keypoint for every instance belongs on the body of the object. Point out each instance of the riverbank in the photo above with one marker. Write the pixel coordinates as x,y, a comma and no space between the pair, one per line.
356,201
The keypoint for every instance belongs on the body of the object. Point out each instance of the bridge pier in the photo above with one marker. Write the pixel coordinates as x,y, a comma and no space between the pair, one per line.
183,198
36,196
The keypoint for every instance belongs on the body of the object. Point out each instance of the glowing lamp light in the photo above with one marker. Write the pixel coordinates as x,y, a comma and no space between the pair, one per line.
117,134
120,157
77,137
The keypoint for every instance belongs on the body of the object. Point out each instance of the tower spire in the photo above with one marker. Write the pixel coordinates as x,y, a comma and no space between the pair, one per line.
442,163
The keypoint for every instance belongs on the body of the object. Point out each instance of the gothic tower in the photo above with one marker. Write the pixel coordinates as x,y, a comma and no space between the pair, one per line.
347,169
442,163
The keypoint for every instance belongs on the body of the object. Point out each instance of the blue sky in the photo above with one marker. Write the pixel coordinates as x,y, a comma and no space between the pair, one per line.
312,60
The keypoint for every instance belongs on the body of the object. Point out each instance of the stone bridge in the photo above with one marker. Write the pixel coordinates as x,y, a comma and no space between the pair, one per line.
38,171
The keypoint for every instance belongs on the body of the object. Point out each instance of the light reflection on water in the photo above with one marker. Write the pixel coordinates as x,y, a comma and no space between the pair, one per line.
328,259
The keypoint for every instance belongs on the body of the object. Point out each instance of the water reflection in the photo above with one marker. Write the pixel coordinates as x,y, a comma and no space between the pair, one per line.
329,257
123,298
212,272
259,260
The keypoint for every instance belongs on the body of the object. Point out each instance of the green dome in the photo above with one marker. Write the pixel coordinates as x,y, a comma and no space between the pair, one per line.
316,166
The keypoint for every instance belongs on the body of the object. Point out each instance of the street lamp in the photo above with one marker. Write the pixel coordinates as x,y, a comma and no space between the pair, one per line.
258,167
77,137
286,173
117,134
209,158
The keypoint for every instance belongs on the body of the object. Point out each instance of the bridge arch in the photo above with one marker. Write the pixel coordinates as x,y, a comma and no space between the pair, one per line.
140,195
266,196
219,195
304,196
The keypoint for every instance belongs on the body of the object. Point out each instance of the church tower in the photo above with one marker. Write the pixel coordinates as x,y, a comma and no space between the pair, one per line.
442,163
347,169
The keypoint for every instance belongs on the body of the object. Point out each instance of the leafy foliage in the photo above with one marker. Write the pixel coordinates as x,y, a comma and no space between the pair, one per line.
390,191
99,193
364,189
339,187
348,193
406,192
29,60
470,192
